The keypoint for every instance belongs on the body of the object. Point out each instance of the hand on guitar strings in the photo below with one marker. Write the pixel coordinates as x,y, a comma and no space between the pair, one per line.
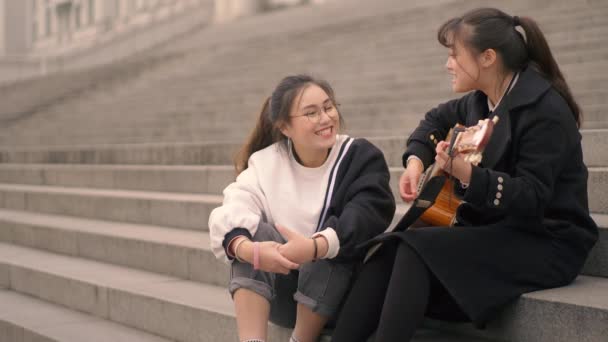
456,165
408,183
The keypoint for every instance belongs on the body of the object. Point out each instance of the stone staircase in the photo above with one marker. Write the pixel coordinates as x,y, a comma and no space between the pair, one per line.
388,65
104,196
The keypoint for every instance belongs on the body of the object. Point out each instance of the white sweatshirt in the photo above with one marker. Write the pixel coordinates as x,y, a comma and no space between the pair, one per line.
277,189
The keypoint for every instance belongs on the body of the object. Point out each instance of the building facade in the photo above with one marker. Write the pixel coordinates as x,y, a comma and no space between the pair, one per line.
56,27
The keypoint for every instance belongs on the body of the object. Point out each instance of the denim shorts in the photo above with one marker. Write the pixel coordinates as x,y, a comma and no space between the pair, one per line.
320,285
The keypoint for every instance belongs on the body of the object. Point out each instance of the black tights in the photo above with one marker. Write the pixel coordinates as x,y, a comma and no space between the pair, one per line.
390,295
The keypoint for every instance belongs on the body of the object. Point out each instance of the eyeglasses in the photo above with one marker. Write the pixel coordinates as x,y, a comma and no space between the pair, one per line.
314,114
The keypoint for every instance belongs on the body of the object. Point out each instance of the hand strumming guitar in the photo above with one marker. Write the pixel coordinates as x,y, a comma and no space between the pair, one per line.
457,167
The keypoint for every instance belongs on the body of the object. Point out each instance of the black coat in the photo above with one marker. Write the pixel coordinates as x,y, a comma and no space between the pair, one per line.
362,204
525,223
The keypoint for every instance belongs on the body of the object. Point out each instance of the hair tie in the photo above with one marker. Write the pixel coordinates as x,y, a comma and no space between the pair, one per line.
519,29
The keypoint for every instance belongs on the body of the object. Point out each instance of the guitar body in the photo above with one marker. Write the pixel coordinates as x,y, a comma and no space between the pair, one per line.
443,212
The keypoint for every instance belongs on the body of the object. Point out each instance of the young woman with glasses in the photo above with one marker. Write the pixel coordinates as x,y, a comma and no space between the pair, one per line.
304,198
524,224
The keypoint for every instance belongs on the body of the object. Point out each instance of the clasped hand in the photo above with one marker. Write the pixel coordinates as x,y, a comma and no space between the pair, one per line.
282,258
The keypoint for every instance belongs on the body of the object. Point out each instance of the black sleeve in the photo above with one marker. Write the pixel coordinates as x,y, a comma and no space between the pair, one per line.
231,235
527,192
369,205
434,128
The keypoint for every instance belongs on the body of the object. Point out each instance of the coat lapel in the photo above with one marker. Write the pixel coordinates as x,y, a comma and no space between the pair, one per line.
500,139
529,88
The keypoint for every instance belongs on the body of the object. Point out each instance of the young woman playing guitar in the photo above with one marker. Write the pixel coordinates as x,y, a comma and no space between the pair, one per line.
524,224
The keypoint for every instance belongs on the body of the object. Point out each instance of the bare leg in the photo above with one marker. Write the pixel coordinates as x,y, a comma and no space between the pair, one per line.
252,312
308,324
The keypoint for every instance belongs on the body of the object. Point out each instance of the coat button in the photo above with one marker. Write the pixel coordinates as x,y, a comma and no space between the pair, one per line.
432,137
499,195
496,202
499,186
500,179
435,141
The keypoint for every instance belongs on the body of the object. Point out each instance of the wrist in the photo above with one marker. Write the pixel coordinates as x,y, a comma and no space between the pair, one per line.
466,177
322,246
315,249
246,251
414,161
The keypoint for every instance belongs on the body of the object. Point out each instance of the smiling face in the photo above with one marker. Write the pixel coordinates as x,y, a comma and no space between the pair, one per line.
314,123
463,67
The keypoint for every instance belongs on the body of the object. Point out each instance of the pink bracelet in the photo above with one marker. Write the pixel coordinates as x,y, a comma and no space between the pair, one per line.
256,255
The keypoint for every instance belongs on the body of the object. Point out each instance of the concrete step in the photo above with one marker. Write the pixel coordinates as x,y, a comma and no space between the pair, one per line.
577,312
597,261
362,12
162,178
25,318
179,253
190,211
594,140
164,127
382,79
391,118
194,179
387,124
185,254
376,89
554,23
187,311
208,153
162,305
31,319
221,152
357,112
575,68
597,189
334,68
204,78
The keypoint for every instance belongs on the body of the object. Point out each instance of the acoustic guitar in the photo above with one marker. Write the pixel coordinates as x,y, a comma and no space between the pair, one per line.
470,142
436,203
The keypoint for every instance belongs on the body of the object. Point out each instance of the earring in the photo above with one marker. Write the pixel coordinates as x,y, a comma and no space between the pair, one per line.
289,147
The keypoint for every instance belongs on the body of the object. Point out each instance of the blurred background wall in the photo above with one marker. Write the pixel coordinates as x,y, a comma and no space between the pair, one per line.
42,36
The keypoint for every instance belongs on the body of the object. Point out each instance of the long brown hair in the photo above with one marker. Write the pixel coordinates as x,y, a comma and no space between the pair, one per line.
491,28
276,111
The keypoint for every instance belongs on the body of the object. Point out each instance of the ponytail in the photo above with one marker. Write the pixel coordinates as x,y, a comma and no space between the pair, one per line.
542,59
264,134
